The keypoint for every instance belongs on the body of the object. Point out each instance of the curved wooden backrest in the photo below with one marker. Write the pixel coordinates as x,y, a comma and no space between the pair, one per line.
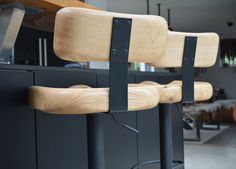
85,35
206,51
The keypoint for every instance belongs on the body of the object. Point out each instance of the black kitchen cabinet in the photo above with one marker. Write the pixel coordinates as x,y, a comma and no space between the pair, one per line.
62,139
27,49
17,121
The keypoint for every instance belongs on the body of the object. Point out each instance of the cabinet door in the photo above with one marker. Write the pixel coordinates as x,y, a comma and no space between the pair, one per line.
17,122
62,139
27,47
120,143
148,124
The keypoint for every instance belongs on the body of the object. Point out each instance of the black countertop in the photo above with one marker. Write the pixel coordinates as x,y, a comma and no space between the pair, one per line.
52,68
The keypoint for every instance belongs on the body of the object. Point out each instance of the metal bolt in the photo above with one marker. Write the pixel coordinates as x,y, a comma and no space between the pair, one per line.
114,51
126,52
116,21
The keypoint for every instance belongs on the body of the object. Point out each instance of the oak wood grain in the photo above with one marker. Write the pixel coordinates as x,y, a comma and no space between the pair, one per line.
172,92
45,20
206,51
85,35
82,99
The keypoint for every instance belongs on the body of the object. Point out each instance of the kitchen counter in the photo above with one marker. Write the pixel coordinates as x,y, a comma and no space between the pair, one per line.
31,139
45,19
99,71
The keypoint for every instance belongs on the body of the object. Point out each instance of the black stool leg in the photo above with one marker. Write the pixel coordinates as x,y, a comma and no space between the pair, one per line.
96,157
166,148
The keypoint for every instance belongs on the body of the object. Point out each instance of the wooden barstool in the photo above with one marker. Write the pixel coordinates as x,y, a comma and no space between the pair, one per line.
186,51
91,35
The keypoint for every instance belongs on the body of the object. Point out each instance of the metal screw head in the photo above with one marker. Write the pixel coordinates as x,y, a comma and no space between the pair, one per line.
114,51
116,21
126,52
129,22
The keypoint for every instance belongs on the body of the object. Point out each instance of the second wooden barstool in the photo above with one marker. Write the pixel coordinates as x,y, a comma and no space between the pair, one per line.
185,51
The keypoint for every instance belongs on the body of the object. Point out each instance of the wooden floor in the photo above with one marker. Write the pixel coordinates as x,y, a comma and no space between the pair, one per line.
217,153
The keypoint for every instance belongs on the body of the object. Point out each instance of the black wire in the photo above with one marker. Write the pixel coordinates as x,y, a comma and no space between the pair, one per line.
124,125
177,107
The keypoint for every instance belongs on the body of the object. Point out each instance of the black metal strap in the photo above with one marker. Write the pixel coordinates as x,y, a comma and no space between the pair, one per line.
118,75
188,69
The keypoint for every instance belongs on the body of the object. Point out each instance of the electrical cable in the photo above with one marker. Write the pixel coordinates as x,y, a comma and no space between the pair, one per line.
136,131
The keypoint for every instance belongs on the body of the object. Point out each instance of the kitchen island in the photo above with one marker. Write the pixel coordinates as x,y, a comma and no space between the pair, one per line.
31,139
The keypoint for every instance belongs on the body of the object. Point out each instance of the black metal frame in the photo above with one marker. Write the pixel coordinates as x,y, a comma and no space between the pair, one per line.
188,70
118,73
217,123
197,122
95,137
166,145
118,93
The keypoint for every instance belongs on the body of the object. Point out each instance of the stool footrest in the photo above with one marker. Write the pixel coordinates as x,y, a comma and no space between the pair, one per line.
180,164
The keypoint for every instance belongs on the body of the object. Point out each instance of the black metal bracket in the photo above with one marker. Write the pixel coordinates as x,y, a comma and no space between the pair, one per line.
188,69
118,75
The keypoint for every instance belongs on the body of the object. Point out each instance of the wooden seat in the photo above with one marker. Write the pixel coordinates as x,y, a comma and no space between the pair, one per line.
85,35
172,92
85,100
